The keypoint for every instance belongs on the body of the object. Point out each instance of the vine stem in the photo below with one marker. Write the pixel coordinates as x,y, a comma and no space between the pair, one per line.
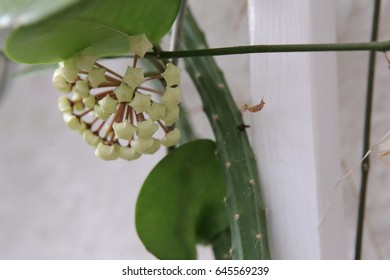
367,129
202,51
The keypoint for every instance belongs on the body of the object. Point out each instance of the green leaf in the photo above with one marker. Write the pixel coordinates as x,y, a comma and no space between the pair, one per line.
103,25
181,202
22,12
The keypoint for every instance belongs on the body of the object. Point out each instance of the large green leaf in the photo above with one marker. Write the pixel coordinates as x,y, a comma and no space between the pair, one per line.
22,12
104,25
181,202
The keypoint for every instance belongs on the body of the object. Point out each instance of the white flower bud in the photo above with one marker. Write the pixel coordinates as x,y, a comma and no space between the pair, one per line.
171,97
156,111
100,113
124,130
172,75
72,121
79,106
76,98
91,139
154,148
97,76
139,45
141,102
124,93
86,59
82,88
171,138
108,104
140,145
171,115
146,128
128,153
64,105
107,152
134,76
69,70
60,83
89,102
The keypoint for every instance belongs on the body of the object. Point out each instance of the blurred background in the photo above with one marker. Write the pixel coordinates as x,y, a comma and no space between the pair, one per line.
58,201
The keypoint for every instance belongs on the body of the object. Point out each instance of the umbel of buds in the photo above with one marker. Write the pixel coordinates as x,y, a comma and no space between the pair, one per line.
121,116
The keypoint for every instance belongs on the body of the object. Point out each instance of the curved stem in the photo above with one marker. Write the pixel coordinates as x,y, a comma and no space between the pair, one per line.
201,51
367,130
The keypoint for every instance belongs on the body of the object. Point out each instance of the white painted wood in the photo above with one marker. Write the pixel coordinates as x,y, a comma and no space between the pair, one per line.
296,136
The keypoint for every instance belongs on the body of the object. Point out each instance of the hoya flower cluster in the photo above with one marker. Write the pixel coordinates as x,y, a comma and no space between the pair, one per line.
121,116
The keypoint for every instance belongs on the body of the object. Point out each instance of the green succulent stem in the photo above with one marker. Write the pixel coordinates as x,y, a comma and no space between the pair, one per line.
244,204
201,50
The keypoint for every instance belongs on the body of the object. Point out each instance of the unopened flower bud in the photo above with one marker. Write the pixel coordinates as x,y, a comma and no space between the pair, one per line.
171,115
69,70
154,148
172,75
108,104
97,76
82,88
124,130
90,138
60,83
146,128
64,104
140,145
134,76
124,93
171,97
156,111
141,102
171,138
139,45
128,153
106,152
72,121
86,59
89,102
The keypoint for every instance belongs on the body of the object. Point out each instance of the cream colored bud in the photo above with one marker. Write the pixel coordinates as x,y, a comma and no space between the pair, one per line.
64,104
124,130
134,76
124,93
76,98
140,145
108,104
89,102
69,70
139,45
171,97
171,138
171,115
154,148
172,75
91,139
106,152
100,114
128,153
60,83
79,106
72,121
97,76
146,128
156,111
141,102
82,88
86,59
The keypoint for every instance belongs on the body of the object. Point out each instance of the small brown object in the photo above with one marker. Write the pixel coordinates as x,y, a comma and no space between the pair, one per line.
254,108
